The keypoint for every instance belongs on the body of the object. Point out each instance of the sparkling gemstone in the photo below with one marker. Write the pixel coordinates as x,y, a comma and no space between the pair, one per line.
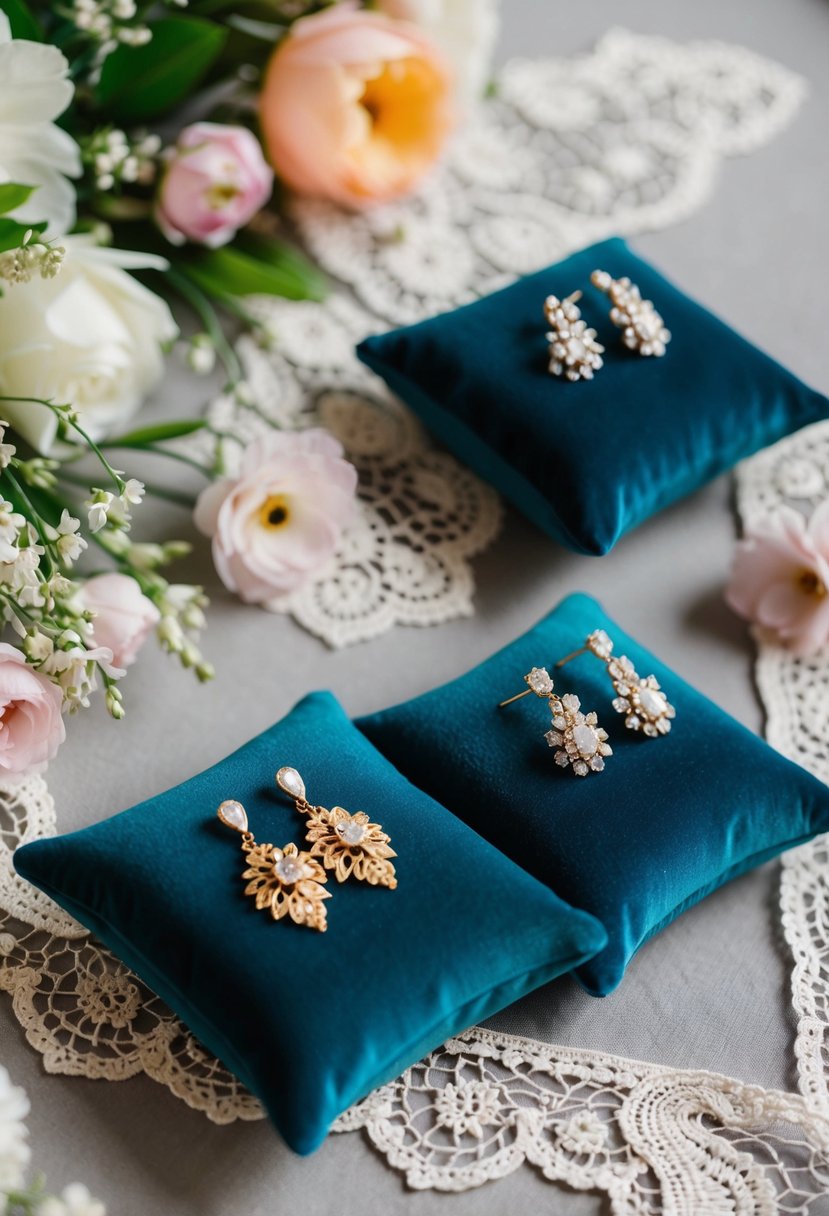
351,832
291,782
554,738
571,702
580,769
562,758
633,722
600,644
233,814
560,723
539,681
652,702
621,705
289,869
597,764
585,740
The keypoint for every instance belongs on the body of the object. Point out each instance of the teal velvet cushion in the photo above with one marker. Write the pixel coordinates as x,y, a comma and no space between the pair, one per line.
310,1021
668,821
588,461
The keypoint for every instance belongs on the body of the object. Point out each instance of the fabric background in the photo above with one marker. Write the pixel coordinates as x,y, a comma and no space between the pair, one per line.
709,992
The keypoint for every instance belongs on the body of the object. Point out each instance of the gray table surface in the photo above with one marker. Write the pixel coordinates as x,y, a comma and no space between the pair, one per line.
711,991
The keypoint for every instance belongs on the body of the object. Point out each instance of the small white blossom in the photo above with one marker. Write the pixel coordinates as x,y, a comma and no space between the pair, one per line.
7,450
201,355
11,522
99,509
37,646
70,544
133,493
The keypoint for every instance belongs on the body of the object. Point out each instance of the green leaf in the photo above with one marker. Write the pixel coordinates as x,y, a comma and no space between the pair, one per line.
13,195
156,434
142,82
23,22
279,271
12,233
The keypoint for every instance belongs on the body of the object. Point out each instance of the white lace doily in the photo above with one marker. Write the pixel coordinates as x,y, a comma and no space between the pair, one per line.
795,693
624,139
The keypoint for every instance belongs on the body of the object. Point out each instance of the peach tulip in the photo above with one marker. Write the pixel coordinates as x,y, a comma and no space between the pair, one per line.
355,106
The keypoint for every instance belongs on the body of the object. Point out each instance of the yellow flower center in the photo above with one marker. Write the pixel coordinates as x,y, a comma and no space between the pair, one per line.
220,194
274,512
809,582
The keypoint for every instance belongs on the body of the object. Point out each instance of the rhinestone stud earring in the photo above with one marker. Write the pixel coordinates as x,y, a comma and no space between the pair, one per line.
642,701
643,329
574,351
580,742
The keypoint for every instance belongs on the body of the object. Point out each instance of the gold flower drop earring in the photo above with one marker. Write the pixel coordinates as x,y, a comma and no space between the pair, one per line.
347,844
285,881
581,742
642,701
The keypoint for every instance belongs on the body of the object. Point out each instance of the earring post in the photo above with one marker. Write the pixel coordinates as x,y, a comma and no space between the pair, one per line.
517,697
574,655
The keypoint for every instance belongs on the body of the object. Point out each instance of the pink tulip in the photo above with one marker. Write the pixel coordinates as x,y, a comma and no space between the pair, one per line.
124,616
280,521
780,578
31,726
355,106
215,181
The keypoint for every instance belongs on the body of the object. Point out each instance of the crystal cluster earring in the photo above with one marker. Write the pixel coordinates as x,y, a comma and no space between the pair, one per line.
580,742
574,351
642,701
349,845
643,329
285,881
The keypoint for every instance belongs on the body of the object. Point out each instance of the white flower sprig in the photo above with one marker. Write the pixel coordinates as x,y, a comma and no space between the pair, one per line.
33,257
17,1198
115,159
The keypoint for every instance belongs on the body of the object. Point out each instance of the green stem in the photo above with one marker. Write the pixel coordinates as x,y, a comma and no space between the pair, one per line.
61,414
32,513
174,496
157,451
206,313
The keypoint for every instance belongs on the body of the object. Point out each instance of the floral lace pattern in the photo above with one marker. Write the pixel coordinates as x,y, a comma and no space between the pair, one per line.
795,693
622,140
525,186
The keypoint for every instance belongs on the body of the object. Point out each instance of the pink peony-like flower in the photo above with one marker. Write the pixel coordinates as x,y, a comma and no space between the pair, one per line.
124,616
281,519
355,106
215,181
780,578
31,726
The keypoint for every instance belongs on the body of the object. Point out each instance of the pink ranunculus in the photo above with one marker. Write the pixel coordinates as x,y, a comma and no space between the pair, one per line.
277,523
31,725
355,106
780,578
215,181
124,616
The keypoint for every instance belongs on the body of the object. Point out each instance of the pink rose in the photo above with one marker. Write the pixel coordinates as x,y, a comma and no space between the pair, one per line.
780,578
124,616
31,725
281,519
215,181
355,106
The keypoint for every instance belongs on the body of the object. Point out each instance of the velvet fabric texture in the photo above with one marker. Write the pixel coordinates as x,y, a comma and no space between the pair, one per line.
588,461
311,1021
668,821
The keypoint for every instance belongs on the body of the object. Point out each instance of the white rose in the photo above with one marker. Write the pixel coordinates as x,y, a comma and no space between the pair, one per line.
465,30
34,90
91,337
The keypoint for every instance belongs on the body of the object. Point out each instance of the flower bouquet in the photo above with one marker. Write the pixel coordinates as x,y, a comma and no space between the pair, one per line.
140,144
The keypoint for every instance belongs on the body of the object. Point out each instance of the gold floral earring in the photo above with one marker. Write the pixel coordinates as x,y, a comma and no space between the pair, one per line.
346,844
581,742
642,701
285,881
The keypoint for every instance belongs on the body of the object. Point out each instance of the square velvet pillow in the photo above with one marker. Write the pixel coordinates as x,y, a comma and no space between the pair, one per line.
311,1021
668,821
588,461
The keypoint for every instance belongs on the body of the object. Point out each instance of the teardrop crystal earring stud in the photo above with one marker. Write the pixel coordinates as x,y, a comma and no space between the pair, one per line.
346,844
643,329
580,742
574,351
642,701
285,881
